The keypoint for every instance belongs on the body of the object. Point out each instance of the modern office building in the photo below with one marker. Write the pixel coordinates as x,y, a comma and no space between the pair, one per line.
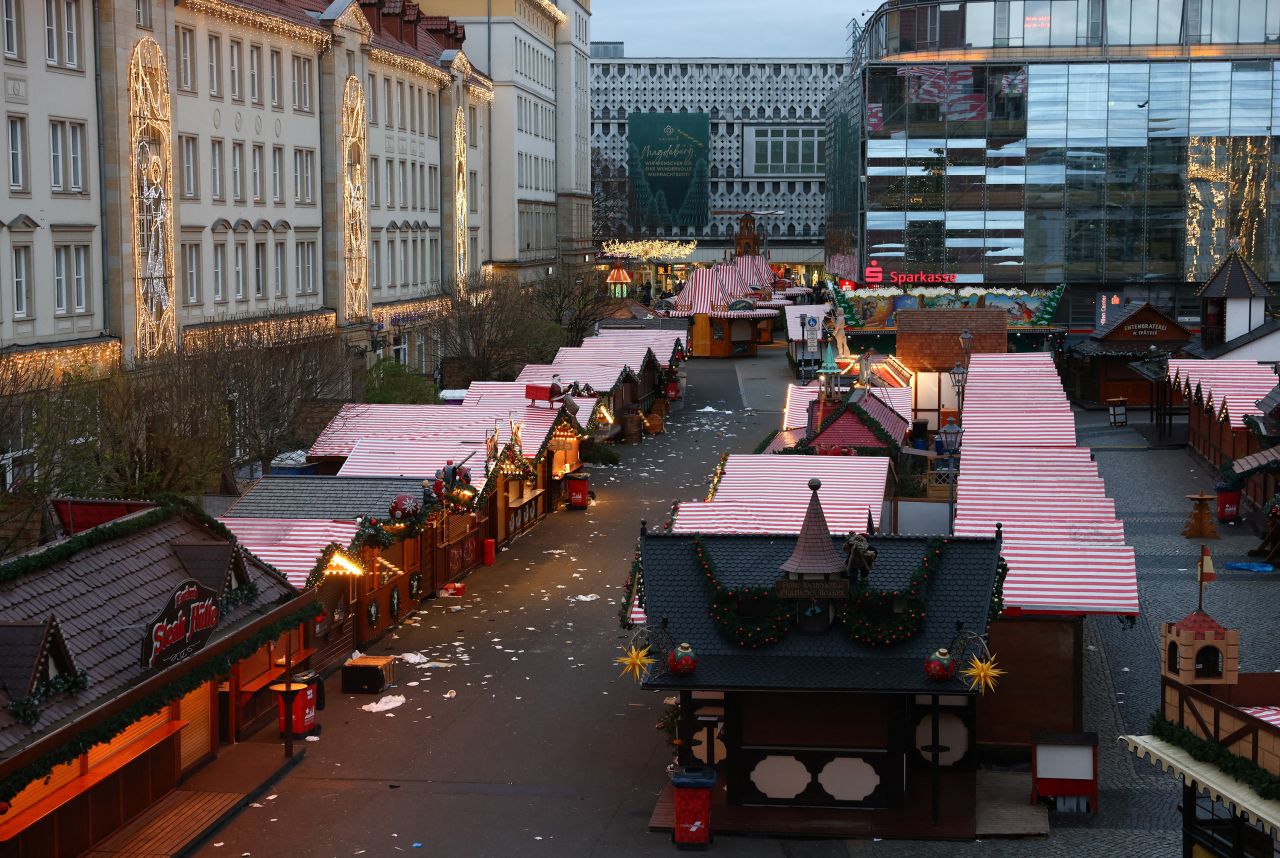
762,123
1122,147
536,51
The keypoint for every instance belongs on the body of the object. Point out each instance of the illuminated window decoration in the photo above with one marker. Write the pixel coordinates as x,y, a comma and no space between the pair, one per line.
549,9
460,204
36,368
410,65
403,314
653,248
479,93
152,175
354,203
259,21
257,332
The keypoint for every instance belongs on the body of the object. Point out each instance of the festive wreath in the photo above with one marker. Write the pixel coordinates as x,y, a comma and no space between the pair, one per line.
371,614
395,602
415,585
884,617
749,616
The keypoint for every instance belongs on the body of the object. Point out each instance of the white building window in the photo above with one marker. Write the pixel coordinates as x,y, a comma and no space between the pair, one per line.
191,272
256,172
375,256
186,59
187,149
239,271
11,11
235,70
80,277
215,66
277,75
215,169
277,175
255,74
60,284
260,269
375,180
237,172
433,187
304,265
219,272
391,263
22,282
433,261
142,13
433,114
57,154
302,84
303,167
473,195
391,183
281,271
372,104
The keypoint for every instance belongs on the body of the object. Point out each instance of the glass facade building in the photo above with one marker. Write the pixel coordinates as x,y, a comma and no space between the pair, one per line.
1119,146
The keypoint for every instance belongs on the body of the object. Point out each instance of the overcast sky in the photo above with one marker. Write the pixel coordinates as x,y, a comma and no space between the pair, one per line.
726,28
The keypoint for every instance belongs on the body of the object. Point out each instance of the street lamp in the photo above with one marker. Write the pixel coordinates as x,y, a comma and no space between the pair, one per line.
951,435
960,375
966,343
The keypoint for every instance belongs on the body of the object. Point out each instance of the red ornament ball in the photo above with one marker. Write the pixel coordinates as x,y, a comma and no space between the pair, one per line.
404,507
940,666
681,661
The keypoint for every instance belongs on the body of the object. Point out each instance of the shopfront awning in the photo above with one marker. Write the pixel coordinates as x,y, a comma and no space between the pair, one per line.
1210,780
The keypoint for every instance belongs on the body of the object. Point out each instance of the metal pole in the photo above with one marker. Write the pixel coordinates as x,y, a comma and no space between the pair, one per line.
936,787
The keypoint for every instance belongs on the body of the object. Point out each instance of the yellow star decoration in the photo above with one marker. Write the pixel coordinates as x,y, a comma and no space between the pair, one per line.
636,662
982,674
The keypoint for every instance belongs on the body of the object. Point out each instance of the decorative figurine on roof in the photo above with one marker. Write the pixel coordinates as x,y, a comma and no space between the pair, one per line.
859,554
452,485
517,429
491,440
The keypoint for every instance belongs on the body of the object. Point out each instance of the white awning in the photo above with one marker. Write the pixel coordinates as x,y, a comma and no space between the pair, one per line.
1209,779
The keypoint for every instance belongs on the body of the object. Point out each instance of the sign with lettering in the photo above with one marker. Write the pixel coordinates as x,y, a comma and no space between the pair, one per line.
811,333
837,588
182,627
1145,329
668,168
873,274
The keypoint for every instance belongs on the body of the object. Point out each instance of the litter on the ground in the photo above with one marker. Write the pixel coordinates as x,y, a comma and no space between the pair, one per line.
390,701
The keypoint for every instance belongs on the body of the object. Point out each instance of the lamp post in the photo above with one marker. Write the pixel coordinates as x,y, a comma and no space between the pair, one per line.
966,346
951,435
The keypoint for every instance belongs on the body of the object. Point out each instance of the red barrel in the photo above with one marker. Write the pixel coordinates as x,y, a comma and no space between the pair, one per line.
579,491
692,786
303,718
1228,504
673,390
490,552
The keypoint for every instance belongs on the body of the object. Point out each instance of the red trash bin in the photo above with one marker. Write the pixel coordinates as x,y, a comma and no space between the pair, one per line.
303,718
692,786
579,491
490,552
673,390
1228,504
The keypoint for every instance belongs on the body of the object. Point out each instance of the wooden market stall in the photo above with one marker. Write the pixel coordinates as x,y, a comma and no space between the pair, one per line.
816,710
113,680
1100,367
719,326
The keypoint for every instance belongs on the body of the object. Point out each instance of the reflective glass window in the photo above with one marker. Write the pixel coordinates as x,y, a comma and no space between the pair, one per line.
1210,95
978,30
1226,21
1129,104
1036,23
1169,26
1253,23
1273,20
1118,22
1250,98
1142,29
1063,31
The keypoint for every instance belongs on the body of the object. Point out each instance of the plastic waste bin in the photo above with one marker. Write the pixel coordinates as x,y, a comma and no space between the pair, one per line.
310,677
579,490
692,786
1228,503
302,719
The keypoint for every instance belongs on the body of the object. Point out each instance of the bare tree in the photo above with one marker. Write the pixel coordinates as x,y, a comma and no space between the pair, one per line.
576,299
609,198
489,327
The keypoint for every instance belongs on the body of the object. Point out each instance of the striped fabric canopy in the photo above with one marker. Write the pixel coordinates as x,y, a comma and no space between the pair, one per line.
503,396
418,458
1238,384
755,271
664,343
795,332
897,398
603,377
704,294
450,423
1020,469
769,494
630,355
733,285
291,545
796,413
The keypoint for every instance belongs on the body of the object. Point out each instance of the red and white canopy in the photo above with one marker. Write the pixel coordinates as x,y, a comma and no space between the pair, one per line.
1238,384
468,424
583,369
663,343
755,270
418,458
748,517
704,293
290,545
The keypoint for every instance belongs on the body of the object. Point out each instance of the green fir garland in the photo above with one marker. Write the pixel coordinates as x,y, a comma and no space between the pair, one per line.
26,710
107,730
633,590
775,617
871,616
997,592
233,599
1249,773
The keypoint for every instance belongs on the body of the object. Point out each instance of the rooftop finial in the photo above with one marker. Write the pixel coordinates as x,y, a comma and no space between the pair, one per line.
815,484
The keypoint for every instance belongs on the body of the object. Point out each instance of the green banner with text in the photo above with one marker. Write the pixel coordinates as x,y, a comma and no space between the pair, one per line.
668,157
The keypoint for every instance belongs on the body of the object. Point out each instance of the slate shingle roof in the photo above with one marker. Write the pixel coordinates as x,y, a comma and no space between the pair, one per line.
101,597
20,647
676,591
337,498
1234,278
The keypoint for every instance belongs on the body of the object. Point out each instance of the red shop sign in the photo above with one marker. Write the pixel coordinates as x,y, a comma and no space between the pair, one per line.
182,627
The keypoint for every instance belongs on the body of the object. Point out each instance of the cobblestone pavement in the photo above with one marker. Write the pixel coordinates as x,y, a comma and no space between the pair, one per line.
545,751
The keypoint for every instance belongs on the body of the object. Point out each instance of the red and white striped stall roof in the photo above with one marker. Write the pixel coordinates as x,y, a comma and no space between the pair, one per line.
732,283
796,413
1270,714
704,293
663,343
452,423
749,517
632,355
418,458
1238,383
795,332
291,545
636,613
755,270
897,398
501,396
1051,578
603,377
1020,469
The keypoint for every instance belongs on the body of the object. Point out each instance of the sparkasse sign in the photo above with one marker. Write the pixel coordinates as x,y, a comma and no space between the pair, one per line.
182,627
873,274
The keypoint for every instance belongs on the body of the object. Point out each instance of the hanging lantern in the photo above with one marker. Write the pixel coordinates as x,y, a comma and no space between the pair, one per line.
681,661
619,280
940,666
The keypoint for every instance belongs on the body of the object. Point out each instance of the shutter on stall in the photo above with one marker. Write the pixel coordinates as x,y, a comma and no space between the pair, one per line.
58,778
98,754
196,739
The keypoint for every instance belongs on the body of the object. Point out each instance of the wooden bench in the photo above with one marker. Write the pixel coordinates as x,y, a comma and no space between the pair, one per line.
169,825
259,682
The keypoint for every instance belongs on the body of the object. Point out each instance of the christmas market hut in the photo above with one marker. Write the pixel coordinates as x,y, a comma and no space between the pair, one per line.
719,326
360,541
636,357
130,655
667,347
615,384
839,676
1100,366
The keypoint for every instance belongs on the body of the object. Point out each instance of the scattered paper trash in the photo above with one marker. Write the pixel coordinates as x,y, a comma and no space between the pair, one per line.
313,738
450,694
390,701
590,597
412,657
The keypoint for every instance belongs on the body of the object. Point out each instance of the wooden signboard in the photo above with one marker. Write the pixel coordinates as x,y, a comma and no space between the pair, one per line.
837,588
